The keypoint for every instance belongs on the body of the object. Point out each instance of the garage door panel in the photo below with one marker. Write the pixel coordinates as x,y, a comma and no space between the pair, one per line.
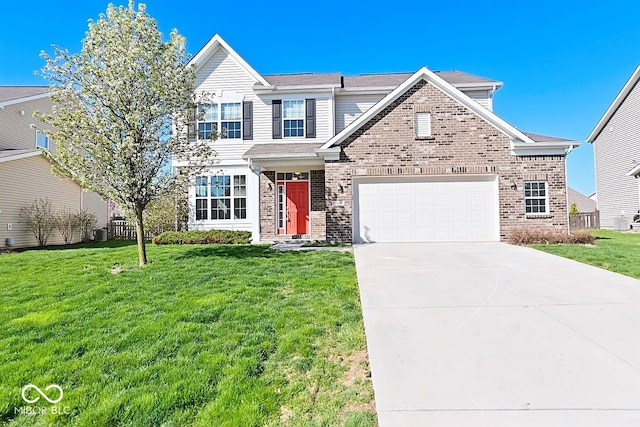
418,209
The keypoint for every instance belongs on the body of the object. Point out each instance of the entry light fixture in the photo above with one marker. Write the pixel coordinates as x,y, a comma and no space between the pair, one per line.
340,188
513,184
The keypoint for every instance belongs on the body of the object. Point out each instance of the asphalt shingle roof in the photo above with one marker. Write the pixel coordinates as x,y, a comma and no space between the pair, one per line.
544,138
368,80
10,93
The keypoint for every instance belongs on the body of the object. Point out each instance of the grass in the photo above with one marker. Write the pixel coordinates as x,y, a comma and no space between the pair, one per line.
204,335
613,250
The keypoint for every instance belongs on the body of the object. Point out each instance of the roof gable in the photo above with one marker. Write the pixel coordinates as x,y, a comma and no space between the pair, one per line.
617,102
438,82
216,43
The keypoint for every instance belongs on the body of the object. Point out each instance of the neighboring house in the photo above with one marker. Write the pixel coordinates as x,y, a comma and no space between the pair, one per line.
25,174
616,147
583,203
374,157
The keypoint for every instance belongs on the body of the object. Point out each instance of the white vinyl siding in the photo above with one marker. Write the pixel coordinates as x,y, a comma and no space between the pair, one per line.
18,191
433,209
349,108
614,149
16,131
481,97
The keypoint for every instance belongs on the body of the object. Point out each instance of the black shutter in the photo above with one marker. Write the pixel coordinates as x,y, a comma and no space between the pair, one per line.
310,118
192,124
276,106
247,120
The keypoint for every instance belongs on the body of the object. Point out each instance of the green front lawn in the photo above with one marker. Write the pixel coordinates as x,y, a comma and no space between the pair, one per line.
613,251
204,335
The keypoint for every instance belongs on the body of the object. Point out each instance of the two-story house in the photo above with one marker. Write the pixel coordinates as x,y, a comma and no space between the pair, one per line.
616,148
25,174
368,158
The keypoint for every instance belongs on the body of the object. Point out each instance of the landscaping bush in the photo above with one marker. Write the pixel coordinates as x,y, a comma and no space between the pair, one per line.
39,219
526,236
198,237
87,221
66,224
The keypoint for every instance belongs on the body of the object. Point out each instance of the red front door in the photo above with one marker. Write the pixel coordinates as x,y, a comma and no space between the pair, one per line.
297,208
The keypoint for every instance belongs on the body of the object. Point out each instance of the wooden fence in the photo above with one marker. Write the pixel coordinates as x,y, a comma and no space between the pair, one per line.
121,230
583,221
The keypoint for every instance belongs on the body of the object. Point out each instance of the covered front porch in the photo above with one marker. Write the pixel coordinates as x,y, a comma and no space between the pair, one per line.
291,193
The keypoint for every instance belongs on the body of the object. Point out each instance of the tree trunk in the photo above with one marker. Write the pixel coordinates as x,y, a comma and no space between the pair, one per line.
142,248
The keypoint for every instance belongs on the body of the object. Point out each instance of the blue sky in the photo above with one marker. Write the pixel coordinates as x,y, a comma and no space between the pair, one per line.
562,62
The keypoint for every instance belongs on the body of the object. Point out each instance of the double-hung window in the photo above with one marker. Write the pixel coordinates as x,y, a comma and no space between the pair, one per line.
202,197
207,120
231,120
224,117
536,198
293,116
221,197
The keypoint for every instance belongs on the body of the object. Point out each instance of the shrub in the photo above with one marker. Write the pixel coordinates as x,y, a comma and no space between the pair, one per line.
87,221
197,237
39,219
66,223
526,236
573,209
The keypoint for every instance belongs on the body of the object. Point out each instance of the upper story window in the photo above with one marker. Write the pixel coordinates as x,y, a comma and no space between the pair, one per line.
536,198
208,120
229,120
42,140
293,118
226,117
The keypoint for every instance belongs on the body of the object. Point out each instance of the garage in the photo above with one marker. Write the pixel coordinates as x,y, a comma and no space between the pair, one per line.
433,209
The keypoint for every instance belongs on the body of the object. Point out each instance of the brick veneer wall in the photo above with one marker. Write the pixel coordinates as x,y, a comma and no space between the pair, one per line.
461,143
267,205
317,216
318,223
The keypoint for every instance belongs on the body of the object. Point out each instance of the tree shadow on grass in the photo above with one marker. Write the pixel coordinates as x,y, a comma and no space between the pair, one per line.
237,251
88,245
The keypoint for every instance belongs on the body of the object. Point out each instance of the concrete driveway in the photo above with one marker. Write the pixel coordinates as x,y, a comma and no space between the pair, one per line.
489,334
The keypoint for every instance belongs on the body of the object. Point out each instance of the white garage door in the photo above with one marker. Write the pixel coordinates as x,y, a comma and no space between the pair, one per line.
437,209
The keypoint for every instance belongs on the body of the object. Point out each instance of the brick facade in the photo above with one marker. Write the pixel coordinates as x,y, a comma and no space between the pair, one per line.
317,215
267,205
318,223
461,143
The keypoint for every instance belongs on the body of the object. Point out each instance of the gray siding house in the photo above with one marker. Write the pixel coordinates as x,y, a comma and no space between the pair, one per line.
616,146
25,174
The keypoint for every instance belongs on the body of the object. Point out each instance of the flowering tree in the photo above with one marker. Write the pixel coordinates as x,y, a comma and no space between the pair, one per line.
121,108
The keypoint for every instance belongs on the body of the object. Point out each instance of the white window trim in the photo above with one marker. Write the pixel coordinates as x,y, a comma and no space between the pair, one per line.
217,122
303,117
222,97
545,198
232,196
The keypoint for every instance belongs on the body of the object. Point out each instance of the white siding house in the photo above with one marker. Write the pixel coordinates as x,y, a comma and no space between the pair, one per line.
616,145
